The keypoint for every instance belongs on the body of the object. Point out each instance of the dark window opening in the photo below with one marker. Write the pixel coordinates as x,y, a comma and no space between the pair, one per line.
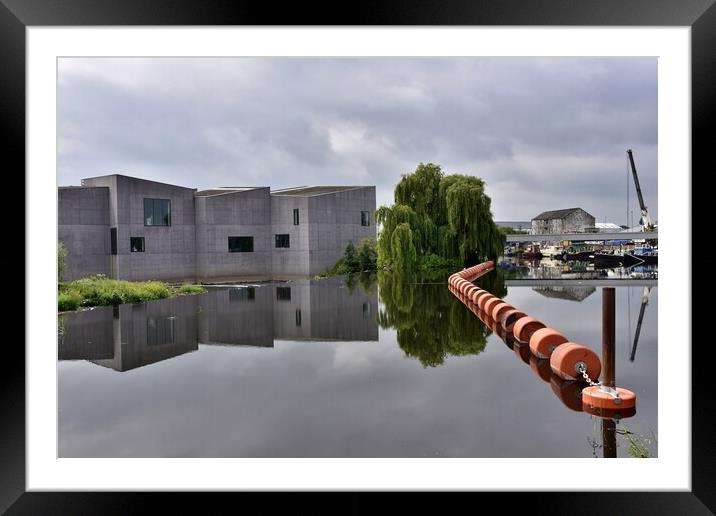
282,241
366,310
136,244
365,218
298,317
243,244
283,293
113,240
295,217
242,294
160,330
157,212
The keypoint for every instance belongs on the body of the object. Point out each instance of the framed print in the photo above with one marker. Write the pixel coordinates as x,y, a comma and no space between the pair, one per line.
411,249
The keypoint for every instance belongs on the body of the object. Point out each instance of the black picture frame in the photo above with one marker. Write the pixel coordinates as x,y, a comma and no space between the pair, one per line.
16,15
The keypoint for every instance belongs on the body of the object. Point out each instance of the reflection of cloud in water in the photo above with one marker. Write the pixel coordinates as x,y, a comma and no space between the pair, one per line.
569,293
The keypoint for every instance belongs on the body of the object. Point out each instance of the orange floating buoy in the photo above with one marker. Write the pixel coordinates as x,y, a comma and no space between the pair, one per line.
471,290
509,340
510,317
525,327
544,341
540,367
499,309
568,392
497,329
599,397
484,299
568,358
608,413
522,350
476,295
490,304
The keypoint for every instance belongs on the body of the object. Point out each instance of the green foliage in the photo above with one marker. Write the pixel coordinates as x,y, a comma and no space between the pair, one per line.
61,261
100,290
402,247
364,259
431,323
350,258
367,255
513,231
68,300
191,289
434,214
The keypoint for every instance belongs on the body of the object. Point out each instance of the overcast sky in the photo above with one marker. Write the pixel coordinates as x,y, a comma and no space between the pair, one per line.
544,133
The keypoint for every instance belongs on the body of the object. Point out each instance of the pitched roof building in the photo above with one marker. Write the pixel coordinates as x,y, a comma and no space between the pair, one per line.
568,220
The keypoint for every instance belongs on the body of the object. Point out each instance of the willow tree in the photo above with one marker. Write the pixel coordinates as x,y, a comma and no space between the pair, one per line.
448,216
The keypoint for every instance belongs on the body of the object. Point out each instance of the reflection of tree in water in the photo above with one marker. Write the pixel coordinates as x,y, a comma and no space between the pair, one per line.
366,280
432,323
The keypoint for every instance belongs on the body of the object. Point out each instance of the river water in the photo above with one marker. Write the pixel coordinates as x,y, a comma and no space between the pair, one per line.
393,367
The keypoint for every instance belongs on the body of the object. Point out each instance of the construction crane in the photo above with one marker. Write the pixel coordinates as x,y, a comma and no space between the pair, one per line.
645,220
644,301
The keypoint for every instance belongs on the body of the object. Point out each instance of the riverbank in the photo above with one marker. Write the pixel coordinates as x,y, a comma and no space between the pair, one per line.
103,291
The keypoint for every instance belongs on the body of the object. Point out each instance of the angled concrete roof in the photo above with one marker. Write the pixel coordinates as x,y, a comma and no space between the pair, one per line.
556,214
222,190
138,179
309,191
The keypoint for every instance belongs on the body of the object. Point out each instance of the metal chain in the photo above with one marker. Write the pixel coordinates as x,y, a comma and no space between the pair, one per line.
586,377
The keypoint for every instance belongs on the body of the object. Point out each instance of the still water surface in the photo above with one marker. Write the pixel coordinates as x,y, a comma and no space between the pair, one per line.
321,368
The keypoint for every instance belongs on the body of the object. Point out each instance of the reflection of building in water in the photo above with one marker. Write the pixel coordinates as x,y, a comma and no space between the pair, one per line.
133,335
325,310
86,337
146,333
300,310
569,293
238,316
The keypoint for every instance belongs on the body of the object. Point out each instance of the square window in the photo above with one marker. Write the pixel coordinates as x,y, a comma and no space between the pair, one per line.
365,218
241,244
136,244
157,212
283,241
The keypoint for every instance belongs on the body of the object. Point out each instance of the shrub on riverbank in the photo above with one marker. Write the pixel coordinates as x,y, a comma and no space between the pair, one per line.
191,289
355,260
100,291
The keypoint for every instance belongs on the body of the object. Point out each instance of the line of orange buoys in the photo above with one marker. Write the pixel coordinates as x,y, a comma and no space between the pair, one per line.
550,355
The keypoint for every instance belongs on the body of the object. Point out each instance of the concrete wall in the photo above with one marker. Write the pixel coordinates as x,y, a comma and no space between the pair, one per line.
218,217
170,251
293,261
195,245
575,222
335,221
83,227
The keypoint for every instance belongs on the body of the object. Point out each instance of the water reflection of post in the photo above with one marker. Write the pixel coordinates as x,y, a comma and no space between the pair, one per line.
609,434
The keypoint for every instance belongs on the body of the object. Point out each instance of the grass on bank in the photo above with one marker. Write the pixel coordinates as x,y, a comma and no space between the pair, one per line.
101,291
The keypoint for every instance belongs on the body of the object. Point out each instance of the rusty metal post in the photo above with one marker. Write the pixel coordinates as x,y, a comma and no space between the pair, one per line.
608,337
609,438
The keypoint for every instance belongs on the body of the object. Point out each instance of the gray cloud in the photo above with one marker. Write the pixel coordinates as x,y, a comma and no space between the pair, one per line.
544,133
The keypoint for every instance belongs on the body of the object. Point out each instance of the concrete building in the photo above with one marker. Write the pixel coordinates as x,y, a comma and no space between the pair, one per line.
134,229
570,220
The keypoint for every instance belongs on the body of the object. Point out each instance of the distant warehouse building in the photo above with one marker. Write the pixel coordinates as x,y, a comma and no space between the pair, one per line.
130,228
570,220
